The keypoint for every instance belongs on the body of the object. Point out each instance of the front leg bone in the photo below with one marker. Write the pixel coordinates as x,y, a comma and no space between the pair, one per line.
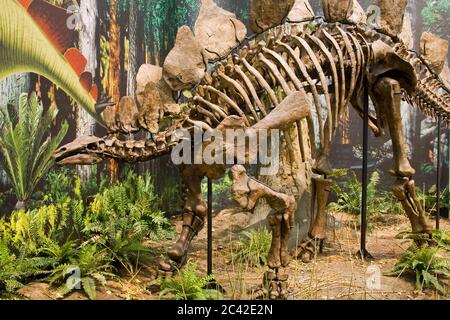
405,191
274,260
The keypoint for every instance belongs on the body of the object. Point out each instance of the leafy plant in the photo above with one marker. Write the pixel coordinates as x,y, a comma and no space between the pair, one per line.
436,16
93,265
14,270
187,285
253,247
441,238
221,192
124,215
26,144
349,197
426,264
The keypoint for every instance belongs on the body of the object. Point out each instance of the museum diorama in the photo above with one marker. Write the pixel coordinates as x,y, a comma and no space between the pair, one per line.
224,149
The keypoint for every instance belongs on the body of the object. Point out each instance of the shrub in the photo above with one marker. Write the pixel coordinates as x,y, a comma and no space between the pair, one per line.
221,192
379,202
14,270
26,144
426,264
187,285
65,232
93,266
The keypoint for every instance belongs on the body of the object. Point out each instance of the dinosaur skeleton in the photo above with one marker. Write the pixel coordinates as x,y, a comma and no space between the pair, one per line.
271,82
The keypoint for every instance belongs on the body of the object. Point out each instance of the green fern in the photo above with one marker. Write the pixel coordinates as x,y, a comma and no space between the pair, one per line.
94,266
15,270
348,193
187,285
124,214
427,266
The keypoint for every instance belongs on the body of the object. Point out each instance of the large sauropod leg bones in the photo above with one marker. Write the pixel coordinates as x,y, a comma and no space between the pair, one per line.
247,191
387,96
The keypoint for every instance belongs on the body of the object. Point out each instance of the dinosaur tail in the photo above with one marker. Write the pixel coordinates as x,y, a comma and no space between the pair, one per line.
431,94
34,37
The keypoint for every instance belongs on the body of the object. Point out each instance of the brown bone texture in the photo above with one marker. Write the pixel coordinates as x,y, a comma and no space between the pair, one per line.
247,191
392,15
218,30
434,50
185,65
265,14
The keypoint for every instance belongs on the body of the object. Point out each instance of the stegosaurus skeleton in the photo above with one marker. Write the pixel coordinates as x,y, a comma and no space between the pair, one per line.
335,63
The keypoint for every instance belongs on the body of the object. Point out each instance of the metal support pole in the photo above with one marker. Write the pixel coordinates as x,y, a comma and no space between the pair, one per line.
363,253
209,262
438,174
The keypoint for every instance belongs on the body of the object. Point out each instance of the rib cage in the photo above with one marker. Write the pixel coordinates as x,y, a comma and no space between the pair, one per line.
328,63
253,81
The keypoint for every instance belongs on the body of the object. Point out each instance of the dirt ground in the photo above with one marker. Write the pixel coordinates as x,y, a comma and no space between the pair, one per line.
335,274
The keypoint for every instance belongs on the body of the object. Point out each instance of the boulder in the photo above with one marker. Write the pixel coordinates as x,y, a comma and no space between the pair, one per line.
434,50
392,13
265,14
218,30
185,64
126,115
146,73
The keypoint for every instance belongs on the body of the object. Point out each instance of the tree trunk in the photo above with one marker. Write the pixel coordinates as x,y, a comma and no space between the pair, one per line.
87,45
132,54
114,73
